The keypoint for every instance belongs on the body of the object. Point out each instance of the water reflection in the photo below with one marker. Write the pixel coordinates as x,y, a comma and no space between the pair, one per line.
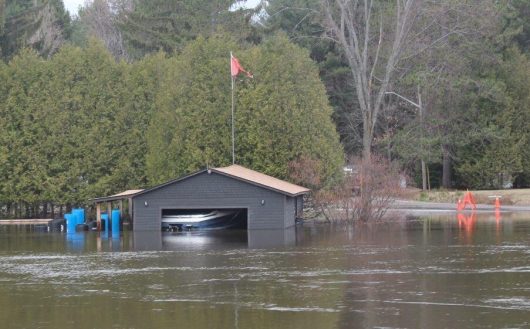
147,240
153,240
271,238
204,240
76,241
431,272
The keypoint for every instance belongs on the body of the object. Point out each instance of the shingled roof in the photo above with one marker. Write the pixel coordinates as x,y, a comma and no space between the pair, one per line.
260,179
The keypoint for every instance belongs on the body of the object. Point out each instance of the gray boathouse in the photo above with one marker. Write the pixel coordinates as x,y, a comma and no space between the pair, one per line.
267,202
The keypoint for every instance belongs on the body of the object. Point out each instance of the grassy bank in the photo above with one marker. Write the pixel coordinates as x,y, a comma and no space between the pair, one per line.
517,197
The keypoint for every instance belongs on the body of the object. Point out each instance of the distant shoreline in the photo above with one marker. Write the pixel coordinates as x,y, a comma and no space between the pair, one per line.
411,205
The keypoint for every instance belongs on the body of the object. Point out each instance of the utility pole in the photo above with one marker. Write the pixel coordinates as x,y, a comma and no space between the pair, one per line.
419,106
423,166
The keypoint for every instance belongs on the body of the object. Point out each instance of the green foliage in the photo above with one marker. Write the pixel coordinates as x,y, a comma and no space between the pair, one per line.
473,91
82,125
168,25
284,112
303,22
75,123
41,24
281,114
517,23
71,124
190,129
498,154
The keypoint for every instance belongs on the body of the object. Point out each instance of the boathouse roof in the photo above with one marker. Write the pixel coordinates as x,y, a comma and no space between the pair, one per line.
257,178
234,171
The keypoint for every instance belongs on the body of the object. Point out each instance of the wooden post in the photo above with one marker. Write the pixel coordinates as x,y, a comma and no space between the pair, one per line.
98,215
109,212
120,206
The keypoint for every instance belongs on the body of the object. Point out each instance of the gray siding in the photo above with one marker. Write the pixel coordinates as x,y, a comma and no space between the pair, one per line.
289,212
213,191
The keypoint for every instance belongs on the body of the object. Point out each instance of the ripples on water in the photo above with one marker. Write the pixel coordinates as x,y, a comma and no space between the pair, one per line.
428,273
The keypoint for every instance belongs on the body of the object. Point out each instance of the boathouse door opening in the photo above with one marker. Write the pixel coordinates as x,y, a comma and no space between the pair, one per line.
174,219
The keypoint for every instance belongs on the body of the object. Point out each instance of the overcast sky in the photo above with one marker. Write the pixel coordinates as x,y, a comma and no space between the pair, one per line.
72,5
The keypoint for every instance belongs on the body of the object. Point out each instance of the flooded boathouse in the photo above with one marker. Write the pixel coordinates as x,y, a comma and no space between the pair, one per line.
260,201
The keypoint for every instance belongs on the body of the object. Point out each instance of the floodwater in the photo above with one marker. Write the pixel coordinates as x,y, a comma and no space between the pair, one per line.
431,272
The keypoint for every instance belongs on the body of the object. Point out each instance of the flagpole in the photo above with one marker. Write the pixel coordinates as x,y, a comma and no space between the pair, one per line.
233,131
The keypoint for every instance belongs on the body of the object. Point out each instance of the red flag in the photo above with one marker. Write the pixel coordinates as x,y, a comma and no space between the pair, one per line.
236,68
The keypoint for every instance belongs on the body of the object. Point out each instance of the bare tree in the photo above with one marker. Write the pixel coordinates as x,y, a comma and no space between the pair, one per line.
49,36
372,34
100,17
344,204
446,37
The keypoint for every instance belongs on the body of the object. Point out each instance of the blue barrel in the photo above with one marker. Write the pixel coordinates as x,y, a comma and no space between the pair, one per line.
115,220
105,217
71,222
79,214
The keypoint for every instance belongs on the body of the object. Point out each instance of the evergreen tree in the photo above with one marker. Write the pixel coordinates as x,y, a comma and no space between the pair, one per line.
191,128
518,18
303,23
153,25
43,25
284,113
281,114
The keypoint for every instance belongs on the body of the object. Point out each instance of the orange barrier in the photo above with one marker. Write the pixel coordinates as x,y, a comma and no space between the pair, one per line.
459,205
469,199
497,203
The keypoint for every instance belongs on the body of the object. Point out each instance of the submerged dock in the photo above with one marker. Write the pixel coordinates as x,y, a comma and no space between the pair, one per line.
26,221
33,224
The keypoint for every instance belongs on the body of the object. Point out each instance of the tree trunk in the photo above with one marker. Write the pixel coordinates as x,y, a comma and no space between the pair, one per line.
45,210
446,168
366,195
367,138
423,176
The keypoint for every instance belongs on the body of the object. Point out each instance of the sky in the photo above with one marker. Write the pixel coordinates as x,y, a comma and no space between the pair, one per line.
73,5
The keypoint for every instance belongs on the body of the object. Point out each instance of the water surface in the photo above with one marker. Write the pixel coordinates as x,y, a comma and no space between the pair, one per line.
437,272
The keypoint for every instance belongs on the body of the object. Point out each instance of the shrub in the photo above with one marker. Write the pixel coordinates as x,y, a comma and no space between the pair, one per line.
364,195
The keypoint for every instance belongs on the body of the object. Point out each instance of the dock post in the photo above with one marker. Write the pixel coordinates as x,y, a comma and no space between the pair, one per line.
98,216
109,208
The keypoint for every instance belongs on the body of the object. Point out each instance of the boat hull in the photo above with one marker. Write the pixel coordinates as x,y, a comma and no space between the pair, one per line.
213,220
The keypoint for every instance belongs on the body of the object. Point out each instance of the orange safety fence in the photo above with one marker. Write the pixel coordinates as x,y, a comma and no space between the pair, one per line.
469,199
